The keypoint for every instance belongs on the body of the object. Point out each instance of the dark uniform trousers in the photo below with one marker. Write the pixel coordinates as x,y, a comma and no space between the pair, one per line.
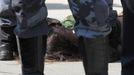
128,38
92,28
91,25
27,18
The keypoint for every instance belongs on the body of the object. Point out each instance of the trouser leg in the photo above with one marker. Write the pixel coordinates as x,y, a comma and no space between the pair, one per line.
128,39
7,38
32,54
8,44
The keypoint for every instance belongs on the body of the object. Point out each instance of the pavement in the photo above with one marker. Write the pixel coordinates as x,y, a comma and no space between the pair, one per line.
55,68
59,9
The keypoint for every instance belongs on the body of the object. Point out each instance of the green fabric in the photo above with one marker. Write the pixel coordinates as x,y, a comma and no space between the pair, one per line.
69,22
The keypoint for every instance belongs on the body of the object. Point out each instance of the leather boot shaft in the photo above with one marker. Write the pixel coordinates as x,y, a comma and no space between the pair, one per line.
32,52
8,44
94,53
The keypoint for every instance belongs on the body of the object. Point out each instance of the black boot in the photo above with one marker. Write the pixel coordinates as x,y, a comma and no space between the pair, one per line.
32,54
114,54
114,38
7,43
94,53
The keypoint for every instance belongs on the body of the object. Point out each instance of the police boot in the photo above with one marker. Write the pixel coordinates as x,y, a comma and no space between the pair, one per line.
32,51
7,43
94,53
114,38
